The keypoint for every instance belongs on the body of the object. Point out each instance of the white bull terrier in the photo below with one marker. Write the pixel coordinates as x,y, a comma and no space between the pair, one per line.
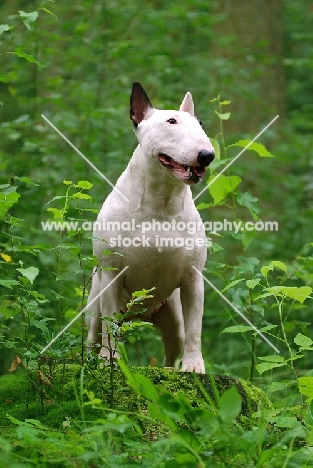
153,232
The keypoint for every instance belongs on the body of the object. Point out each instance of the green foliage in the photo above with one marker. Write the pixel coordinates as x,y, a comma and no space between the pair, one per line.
28,18
222,186
163,417
257,147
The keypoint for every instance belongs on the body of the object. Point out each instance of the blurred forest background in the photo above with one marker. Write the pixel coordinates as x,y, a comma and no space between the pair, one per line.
76,66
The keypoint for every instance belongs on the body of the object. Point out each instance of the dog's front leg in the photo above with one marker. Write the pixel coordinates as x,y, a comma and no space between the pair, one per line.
93,314
110,302
192,294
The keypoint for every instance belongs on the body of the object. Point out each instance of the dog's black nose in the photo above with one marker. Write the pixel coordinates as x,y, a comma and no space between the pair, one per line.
205,157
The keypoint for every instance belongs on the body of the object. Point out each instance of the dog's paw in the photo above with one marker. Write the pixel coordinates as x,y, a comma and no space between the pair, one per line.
193,364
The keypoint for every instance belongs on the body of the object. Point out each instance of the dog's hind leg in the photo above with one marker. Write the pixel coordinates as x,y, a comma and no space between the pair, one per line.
169,320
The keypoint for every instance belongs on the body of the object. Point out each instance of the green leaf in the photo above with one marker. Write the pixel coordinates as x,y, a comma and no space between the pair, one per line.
140,383
204,206
3,28
248,264
14,420
279,265
233,283
28,18
41,325
29,273
247,200
224,103
57,214
270,267
282,385
142,293
48,11
224,116
81,196
58,197
306,387
67,182
251,284
156,413
268,327
215,247
265,366
29,423
84,184
265,270
237,329
303,341
7,200
30,58
8,283
126,371
247,238
26,180
216,147
257,147
283,421
208,422
222,186
186,436
145,387
172,406
265,295
230,405
298,294
272,358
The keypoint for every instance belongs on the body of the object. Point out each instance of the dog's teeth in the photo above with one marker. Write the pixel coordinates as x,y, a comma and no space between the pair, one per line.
188,170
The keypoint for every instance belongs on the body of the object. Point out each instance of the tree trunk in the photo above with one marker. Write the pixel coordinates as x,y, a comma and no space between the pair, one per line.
249,38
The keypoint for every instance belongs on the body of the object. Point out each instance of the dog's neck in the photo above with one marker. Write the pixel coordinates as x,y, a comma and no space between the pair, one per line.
157,190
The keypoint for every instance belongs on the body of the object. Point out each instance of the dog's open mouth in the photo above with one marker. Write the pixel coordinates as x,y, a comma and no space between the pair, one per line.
188,174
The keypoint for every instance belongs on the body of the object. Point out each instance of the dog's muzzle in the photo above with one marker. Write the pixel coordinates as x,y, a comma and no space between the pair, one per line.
188,174
205,157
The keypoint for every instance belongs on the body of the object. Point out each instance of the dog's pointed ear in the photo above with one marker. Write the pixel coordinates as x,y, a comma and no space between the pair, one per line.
140,104
187,104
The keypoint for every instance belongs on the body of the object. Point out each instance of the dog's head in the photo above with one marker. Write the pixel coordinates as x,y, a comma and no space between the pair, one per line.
175,139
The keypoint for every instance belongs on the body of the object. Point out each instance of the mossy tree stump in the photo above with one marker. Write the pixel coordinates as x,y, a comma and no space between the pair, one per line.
55,394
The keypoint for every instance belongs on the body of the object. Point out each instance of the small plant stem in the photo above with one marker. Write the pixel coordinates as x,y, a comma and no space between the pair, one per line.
18,30
11,40
59,259
225,152
112,352
222,132
66,203
280,312
289,454
83,298
253,342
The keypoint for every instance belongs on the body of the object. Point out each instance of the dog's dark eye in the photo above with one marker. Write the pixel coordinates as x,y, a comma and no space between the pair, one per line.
172,121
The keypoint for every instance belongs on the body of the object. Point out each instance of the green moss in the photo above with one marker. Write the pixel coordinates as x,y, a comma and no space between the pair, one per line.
53,395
